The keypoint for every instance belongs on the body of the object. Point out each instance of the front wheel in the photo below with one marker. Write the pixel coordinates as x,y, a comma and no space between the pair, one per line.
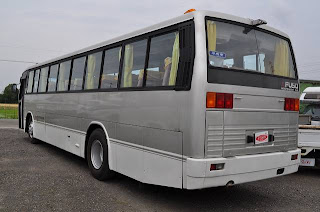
97,155
31,130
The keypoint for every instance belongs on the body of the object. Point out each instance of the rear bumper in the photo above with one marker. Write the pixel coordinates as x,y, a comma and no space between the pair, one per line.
239,169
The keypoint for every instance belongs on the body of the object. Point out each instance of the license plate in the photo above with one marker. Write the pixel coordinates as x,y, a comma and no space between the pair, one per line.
261,137
307,162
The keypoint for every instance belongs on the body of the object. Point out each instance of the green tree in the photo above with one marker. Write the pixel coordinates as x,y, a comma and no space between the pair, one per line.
9,96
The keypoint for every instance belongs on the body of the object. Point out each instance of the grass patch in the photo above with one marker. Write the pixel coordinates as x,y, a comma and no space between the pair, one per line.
8,111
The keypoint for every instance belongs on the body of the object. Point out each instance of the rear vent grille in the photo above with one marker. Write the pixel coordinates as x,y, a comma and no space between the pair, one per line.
232,140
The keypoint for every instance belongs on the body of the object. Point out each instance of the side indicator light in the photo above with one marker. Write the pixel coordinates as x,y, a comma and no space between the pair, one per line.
211,100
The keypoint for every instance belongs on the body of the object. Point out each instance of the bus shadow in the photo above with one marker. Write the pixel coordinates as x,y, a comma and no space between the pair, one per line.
58,153
235,198
307,171
238,197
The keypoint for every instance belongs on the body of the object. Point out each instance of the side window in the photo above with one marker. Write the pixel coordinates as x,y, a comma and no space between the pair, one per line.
30,81
109,78
133,64
163,60
93,71
36,81
43,80
64,73
52,80
77,74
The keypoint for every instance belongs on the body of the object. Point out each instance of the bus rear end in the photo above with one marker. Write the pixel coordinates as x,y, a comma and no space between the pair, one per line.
252,104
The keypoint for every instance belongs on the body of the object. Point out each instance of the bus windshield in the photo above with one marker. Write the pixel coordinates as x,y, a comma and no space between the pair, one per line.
232,46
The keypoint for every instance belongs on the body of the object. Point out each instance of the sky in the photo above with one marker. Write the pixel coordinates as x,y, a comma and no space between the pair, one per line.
39,30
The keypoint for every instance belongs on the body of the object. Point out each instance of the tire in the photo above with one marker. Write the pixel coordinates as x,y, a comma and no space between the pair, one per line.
30,132
97,156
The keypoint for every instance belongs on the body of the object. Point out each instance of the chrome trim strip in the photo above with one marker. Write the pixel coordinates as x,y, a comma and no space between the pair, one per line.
65,128
150,150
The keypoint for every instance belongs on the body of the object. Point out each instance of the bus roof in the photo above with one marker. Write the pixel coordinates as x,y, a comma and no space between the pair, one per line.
179,19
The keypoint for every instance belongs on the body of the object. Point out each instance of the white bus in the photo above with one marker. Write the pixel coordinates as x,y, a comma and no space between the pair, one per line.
202,100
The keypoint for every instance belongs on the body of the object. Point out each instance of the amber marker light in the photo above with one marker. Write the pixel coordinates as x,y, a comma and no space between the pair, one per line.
211,100
189,11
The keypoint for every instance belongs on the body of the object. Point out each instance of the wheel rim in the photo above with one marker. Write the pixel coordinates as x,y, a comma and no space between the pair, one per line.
30,129
97,154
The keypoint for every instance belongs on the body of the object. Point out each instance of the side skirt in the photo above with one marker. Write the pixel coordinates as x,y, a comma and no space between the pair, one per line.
67,139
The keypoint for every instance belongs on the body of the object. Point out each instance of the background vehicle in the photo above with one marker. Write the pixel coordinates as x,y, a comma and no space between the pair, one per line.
309,127
205,99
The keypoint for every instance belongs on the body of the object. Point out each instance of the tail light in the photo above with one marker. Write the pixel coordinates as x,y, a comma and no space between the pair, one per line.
228,102
291,104
219,100
294,157
218,166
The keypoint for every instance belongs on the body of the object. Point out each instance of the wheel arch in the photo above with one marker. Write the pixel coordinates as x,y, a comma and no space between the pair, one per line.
98,125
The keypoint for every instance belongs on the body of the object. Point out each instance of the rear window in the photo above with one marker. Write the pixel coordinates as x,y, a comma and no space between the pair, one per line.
238,47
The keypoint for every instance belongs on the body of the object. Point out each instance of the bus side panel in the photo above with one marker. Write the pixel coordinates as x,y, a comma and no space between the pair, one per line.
39,130
162,170
129,151
56,121
156,165
163,167
39,121
129,159
65,139
145,140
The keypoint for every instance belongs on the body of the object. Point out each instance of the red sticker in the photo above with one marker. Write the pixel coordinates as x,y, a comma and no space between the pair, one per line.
261,137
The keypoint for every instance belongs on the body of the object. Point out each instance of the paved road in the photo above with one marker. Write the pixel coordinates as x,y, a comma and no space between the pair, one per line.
9,123
44,178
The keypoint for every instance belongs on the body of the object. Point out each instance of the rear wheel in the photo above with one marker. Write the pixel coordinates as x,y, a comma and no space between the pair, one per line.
97,155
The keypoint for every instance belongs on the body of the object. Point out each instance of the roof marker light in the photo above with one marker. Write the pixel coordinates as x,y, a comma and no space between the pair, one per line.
189,11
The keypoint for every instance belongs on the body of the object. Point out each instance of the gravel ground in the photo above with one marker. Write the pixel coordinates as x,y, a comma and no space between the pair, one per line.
40,177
